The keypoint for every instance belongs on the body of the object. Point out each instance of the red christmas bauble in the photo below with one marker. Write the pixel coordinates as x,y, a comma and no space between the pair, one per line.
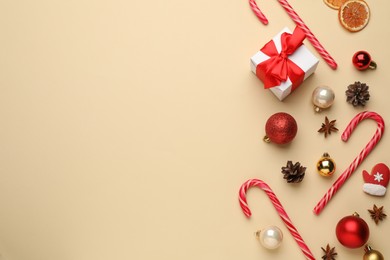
281,128
352,231
361,60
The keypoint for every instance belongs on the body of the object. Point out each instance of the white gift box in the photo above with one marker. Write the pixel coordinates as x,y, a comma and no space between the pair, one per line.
301,57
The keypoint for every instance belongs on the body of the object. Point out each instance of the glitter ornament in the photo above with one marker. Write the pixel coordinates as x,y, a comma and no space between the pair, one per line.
322,98
326,165
280,128
352,231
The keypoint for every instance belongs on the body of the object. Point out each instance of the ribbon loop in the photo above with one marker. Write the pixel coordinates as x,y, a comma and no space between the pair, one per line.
278,68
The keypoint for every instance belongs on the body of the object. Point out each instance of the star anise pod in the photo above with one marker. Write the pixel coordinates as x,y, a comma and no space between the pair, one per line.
377,214
328,127
329,253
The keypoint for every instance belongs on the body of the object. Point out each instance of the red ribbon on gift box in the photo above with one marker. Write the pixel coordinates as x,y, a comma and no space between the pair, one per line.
279,67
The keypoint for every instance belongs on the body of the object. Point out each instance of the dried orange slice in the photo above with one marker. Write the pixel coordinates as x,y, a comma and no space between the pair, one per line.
335,4
354,15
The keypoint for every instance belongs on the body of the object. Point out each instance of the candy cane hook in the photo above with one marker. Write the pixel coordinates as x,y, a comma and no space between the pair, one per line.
298,21
279,208
358,160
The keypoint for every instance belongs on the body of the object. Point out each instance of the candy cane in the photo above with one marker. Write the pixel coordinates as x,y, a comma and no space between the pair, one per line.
279,208
298,21
358,160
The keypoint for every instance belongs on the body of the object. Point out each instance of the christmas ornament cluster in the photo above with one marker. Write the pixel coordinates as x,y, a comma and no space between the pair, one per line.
351,231
283,64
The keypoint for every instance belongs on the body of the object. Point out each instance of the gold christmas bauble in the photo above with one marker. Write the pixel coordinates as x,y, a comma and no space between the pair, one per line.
326,166
372,254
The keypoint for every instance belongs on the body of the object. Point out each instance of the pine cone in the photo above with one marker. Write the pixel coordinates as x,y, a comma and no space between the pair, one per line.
293,173
357,94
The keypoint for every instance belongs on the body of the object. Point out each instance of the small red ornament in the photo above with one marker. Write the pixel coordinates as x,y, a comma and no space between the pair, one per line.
280,128
352,231
362,61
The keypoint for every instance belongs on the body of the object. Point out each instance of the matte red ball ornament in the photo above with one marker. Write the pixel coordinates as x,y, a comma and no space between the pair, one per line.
352,231
280,128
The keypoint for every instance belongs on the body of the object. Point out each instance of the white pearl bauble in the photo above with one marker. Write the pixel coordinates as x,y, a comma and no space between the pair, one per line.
322,97
270,237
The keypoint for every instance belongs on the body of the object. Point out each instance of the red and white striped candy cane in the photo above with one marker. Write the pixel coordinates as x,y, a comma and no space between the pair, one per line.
358,160
298,21
279,208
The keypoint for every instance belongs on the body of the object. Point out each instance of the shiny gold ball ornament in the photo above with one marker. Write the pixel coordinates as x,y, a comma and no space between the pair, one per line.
326,166
372,254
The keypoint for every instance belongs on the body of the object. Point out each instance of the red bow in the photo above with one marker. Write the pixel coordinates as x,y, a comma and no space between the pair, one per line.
278,67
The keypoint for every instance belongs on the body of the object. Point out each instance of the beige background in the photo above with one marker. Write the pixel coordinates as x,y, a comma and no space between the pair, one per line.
127,128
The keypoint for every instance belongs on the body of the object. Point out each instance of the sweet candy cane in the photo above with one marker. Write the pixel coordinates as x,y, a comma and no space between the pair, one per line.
298,21
358,160
279,208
